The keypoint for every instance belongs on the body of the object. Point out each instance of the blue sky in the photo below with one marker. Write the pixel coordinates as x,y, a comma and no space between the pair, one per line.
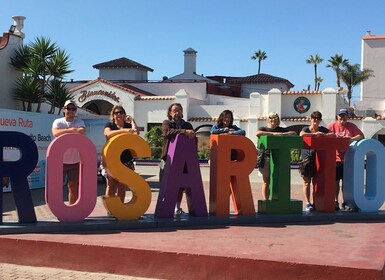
224,33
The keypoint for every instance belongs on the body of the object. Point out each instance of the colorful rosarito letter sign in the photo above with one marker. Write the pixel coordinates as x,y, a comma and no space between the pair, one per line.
87,193
231,177
141,191
324,181
181,173
371,197
18,172
280,161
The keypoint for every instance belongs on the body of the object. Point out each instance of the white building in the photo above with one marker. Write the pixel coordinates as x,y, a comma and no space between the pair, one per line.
372,97
123,81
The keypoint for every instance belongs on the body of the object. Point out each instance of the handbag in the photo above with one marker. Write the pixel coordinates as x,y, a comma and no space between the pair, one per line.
260,158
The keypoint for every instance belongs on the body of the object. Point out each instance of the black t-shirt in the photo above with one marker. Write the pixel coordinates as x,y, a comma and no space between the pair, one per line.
269,129
308,152
126,155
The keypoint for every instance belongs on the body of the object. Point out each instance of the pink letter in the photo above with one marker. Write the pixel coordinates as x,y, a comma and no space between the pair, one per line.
87,178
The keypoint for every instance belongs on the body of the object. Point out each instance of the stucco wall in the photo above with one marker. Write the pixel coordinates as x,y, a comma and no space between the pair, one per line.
195,90
123,74
8,74
373,57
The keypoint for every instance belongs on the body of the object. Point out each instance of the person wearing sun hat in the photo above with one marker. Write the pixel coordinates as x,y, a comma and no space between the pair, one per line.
70,124
343,128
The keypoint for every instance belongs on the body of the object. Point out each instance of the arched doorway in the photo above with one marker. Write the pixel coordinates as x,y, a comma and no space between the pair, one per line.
99,107
203,135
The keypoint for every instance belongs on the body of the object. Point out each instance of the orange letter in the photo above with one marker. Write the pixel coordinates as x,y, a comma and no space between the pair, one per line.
228,176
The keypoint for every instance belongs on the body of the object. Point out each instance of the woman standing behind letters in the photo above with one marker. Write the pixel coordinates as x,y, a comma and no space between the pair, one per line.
225,126
120,123
272,128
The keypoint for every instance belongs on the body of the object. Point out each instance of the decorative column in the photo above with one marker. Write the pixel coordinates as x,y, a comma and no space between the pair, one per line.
275,101
329,99
182,97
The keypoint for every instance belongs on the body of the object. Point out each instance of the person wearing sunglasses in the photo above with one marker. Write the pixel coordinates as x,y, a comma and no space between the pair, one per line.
119,123
272,128
70,124
307,166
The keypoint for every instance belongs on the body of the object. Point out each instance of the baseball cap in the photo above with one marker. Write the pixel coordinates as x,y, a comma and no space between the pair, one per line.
68,102
343,112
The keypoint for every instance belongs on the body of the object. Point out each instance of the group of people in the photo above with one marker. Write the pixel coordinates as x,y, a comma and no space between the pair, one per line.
120,123
339,128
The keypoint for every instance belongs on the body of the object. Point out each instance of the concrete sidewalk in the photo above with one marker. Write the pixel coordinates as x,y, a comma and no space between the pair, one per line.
343,245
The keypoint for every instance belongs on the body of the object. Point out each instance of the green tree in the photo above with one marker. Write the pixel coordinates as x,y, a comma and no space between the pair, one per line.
155,140
352,76
259,55
27,91
57,95
41,61
315,60
337,62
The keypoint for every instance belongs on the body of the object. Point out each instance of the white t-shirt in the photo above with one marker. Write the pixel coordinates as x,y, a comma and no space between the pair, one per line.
72,154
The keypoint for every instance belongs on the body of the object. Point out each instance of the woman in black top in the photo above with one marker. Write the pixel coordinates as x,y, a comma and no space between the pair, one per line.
307,156
272,128
120,123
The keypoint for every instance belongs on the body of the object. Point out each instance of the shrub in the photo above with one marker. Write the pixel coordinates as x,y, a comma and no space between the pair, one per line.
155,140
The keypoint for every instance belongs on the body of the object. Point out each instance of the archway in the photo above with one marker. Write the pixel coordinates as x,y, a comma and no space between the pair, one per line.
99,107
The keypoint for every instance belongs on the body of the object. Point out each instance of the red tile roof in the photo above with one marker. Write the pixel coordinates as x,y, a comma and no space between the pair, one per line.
255,79
202,119
127,88
301,92
4,40
155,97
122,62
373,37
295,119
207,119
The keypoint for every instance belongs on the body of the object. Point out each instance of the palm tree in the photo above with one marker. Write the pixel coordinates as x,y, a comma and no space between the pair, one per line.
351,75
319,80
41,61
315,60
27,91
259,55
336,62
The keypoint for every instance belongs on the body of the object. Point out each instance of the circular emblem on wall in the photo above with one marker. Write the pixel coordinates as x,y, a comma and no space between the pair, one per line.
301,105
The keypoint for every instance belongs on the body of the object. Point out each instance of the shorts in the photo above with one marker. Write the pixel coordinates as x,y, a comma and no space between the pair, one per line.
71,170
339,171
265,170
307,167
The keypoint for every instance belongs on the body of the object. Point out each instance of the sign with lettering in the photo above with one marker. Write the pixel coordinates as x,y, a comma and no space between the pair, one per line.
366,196
84,94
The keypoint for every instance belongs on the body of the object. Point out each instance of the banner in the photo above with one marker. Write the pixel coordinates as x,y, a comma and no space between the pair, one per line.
38,126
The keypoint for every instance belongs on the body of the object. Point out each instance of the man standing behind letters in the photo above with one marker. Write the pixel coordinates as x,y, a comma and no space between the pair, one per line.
70,124
171,127
342,128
